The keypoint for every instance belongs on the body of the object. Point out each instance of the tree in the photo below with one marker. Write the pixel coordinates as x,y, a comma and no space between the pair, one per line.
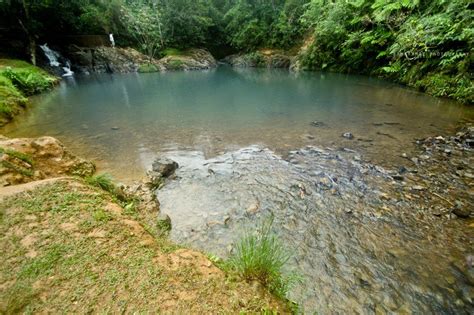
144,23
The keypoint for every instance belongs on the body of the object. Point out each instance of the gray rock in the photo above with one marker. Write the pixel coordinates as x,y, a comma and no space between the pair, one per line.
164,166
461,210
317,124
397,177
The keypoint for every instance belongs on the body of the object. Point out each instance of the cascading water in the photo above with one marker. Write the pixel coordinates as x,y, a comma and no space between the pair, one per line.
53,58
67,70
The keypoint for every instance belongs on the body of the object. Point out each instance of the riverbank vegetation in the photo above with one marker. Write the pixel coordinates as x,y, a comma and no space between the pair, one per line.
19,79
424,44
260,256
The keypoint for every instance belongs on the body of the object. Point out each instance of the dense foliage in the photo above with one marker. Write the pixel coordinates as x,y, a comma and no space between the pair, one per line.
425,44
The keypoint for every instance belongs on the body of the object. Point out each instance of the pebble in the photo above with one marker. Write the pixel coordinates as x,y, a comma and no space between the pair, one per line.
348,135
397,177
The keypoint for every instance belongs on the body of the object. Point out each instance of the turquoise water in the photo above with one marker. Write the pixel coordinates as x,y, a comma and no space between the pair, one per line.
115,119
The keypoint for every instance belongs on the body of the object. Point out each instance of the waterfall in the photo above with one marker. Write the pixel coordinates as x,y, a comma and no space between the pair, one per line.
53,58
67,70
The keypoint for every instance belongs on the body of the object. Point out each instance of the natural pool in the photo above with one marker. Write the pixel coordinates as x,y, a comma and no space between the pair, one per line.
113,119
240,137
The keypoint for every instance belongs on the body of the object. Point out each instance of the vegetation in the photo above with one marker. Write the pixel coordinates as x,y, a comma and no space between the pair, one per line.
260,256
424,44
19,79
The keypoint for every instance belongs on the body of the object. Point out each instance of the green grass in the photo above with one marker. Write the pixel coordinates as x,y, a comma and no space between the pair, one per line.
261,256
103,181
10,98
64,251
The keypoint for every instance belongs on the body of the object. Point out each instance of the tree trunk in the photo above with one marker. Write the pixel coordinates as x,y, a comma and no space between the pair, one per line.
32,50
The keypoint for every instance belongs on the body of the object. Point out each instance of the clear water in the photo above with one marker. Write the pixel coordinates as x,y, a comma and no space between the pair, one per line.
116,119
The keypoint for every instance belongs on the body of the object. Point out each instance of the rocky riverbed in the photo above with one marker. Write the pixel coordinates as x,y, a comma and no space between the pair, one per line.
366,239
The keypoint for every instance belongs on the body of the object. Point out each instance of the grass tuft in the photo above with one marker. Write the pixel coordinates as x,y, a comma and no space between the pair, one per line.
103,181
261,256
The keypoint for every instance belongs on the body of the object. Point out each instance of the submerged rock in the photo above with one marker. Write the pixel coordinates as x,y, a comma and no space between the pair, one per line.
317,123
348,135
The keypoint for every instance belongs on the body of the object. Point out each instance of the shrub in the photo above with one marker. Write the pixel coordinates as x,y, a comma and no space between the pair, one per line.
260,256
28,81
10,97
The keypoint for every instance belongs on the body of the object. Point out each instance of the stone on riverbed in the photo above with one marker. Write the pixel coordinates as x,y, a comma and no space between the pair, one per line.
164,166
461,210
348,135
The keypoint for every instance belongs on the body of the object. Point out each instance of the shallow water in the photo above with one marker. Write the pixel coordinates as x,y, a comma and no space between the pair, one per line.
360,246
225,109
233,131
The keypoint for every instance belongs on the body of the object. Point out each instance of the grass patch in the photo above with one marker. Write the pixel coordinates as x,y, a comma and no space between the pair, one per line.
52,262
10,98
261,256
103,181
58,198
43,265
21,170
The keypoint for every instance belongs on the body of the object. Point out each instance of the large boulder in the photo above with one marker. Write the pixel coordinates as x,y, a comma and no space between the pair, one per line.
192,59
260,59
109,60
